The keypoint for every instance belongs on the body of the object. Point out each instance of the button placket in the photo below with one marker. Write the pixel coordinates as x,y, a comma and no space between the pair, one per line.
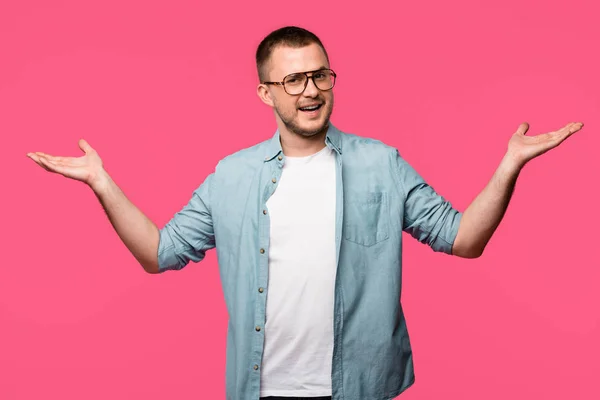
276,172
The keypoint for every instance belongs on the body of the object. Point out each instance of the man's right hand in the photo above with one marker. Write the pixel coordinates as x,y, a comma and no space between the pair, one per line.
87,168
138,232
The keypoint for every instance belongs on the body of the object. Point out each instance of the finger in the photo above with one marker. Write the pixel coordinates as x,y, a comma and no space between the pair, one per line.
39,153
66,161
49,157
567,130
45,163
53,167
575,127
84,146
36,159
522,129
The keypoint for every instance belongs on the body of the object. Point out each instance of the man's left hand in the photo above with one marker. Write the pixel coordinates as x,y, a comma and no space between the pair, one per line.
522,148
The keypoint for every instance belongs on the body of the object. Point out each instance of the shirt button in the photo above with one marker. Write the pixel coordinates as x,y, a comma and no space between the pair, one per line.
265,212
257,329
262,251
273,180
255,367
260,290
280,158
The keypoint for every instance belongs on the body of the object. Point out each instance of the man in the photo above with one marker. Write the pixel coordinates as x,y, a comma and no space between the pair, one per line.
307,227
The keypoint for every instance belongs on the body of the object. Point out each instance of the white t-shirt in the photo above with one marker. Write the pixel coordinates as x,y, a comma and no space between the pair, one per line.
302,267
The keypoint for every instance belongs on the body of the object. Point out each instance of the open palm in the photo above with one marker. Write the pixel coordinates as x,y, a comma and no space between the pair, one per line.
524,148
86,168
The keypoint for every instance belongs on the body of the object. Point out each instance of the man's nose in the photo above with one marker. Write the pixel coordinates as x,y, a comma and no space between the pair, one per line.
311,90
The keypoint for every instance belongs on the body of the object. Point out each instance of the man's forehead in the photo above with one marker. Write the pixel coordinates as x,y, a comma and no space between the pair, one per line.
287,60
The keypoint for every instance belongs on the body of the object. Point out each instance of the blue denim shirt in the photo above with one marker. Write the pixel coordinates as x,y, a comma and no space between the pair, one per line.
379,195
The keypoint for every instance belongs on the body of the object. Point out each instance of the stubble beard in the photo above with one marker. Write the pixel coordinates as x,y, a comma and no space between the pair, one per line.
292,126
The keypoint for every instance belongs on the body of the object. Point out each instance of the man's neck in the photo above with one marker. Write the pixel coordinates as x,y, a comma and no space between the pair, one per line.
294,145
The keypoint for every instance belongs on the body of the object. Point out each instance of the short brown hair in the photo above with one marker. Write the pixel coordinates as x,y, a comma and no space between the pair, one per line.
291,36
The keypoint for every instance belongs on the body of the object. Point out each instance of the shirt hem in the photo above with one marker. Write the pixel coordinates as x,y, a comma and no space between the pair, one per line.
296,393
397,393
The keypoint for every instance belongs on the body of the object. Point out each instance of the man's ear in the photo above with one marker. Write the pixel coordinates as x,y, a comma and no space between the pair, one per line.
264,94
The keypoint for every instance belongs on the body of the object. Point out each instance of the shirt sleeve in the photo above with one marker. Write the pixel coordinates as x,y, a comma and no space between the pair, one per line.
428,217
189,234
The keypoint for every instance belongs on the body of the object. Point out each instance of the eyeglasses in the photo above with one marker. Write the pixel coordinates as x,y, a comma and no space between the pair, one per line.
294,84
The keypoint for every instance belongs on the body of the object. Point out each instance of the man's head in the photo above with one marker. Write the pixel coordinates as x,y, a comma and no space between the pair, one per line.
282,57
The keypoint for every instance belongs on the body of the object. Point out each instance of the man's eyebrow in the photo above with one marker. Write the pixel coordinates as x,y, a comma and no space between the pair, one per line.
312,70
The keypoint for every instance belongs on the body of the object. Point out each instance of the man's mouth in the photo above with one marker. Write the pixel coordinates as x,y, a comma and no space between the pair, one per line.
311,108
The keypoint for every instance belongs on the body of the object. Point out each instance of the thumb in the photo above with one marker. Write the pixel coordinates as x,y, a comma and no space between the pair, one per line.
83,145
523,128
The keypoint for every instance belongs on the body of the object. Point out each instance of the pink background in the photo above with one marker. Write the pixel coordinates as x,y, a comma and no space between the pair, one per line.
163,90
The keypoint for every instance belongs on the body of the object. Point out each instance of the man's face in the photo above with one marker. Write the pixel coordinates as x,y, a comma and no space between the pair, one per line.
288,60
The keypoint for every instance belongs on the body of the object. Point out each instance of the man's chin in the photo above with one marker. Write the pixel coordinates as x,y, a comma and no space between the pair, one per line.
309,133
309,129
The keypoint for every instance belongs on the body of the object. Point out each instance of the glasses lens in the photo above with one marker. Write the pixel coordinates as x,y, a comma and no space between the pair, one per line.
324,80
294,83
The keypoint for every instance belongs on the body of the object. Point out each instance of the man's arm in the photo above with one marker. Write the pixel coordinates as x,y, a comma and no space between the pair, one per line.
481,218
483,215
139,234
186,237
427,216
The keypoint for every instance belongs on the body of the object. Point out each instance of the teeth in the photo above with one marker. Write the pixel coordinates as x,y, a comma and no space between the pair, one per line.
311,107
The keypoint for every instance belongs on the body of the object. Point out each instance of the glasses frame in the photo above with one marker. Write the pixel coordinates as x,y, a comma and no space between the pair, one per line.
312,76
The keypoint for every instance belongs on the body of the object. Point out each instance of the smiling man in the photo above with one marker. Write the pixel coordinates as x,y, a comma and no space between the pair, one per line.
307,227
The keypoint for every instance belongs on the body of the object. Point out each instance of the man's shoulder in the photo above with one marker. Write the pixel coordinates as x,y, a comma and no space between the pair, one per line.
366,145
245,157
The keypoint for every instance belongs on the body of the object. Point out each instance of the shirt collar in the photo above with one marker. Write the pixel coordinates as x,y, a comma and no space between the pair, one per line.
333,139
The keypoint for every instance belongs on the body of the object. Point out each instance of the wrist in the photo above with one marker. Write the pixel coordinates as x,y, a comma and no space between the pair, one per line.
99,182
508,170
511,164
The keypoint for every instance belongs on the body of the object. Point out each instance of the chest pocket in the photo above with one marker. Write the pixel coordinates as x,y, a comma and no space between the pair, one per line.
366,220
